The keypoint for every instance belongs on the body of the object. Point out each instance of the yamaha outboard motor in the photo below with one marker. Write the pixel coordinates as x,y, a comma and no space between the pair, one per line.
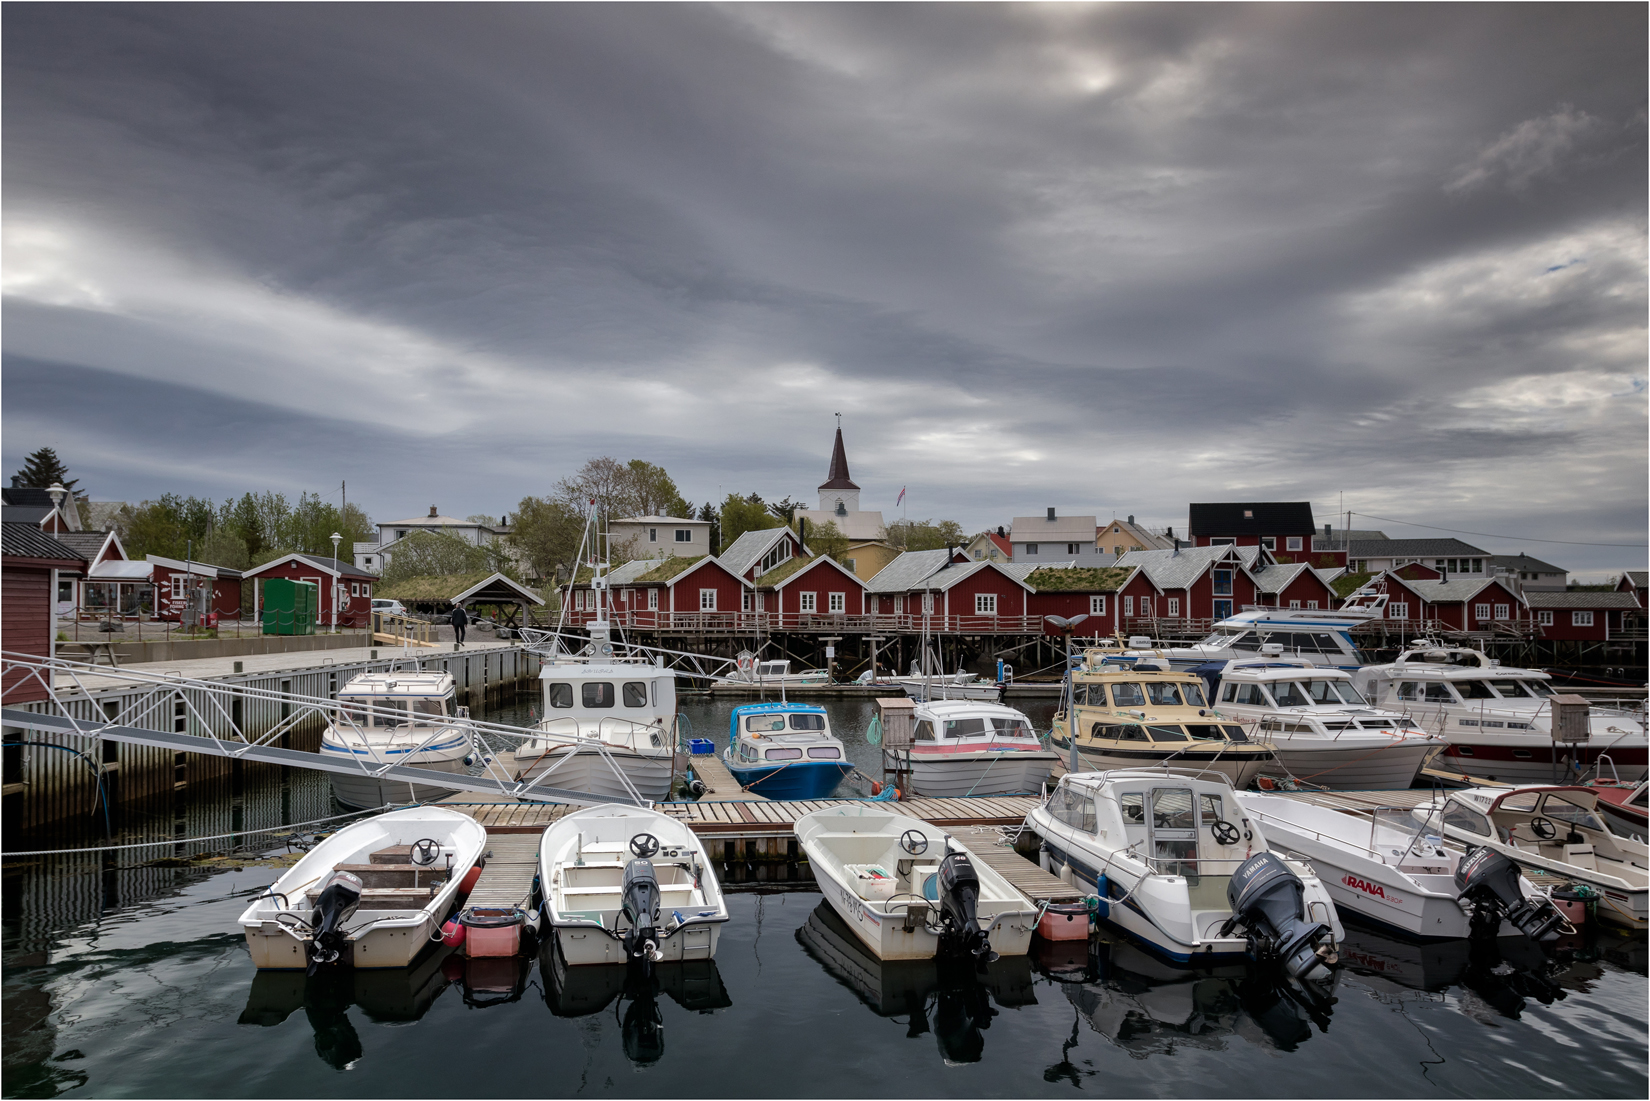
340,897
1488,881
641,909
959,900
1269,902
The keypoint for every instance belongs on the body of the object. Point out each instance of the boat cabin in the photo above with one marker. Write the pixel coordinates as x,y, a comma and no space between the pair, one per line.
380,701
616,700
780,732
1137,702
1169,818
971,725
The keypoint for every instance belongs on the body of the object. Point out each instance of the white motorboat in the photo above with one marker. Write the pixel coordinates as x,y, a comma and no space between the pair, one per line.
774,673
1319,637
1385,868
961,748
1322,732
374,894
1179,867
1550,832
909,890
949,686
626,884
396,719
1499,720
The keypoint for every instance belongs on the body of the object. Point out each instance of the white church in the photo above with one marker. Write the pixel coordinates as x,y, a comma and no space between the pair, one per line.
839,502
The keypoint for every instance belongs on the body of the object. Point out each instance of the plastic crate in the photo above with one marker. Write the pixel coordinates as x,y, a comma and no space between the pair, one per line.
699,747
492,932
1064,922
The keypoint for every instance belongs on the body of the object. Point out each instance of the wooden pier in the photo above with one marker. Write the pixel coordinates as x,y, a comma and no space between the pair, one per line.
1025,876
507,880
718,781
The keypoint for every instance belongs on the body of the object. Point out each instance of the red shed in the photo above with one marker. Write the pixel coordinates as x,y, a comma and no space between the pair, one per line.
1636,582
173,579
351,586
1581,616
28,589
806,589
1077,591
1293,586
705,588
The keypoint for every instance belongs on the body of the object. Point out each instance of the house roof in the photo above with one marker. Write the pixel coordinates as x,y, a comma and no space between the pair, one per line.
1075,579
1062,529
1277,577
1639,579
1454,591
1340,537
661,520
26,540
1523,563
1251,518
88,544
668,570
908,571
838,477
1412,548
1169,570
433,522
796,567
429,587
1535,598
1329,574
25,495
25,514
747,550
957,574
346,568
196,566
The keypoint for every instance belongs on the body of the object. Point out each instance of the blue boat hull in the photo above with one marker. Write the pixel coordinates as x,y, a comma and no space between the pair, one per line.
797,780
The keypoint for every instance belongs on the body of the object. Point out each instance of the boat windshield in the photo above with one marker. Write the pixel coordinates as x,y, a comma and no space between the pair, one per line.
1394,831
1128,695
1228,636
1163,695
1515,690
1474,689
807,722
1194,695
1331,692
1289,694
764,724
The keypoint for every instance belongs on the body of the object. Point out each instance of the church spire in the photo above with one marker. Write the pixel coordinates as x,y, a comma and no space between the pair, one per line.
838,477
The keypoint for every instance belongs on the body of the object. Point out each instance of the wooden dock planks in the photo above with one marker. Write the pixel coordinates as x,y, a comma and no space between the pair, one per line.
1031,881
507,880
719,782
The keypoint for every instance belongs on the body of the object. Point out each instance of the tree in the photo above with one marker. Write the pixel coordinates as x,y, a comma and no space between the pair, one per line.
636,488
926,534
428,554
548,531
827,539
43,468
742,514
786,509
708,513
222,547
653,492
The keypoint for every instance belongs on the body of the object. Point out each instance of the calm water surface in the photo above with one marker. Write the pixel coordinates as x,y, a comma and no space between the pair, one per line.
135,981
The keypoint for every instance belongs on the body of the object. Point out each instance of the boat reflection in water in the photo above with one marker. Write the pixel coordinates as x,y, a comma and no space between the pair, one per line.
1147,1006
389,995
695,985
948,998
1506,973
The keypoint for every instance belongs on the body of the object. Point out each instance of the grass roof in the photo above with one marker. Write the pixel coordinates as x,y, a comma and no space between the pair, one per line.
431,588
789,569
1349,583
1079,580
667,569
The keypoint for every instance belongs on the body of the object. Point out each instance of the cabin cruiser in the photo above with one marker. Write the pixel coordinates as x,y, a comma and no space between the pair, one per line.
629,885
1386,868
1499,719
1318,637
960,748
1180,867
1131,712
1554,832
1323,732
396,719
785,751
771,674
370,895
911,891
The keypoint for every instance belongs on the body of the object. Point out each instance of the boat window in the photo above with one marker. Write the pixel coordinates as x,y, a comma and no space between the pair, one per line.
1406,690
1348,725
1463,819
1133,806
1235,733
1205,732
1120,732
924,731
1350,693
1323,691
635,693
1080,695
389,712
1289,694
352,709
1209,804
1560,809
1227,691
1248,693
1014,728
1172,809
1194,695
1438,693
1074,808
747,752
1128,695
1509,689
558,694
597,693
1167,734
1163,695
1639,799
807,722
764,724
429,707
1537,687
783,755
967,728
1522,803
825,752
1475,690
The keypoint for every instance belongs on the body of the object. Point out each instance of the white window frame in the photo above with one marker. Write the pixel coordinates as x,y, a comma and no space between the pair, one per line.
1503,611
684,535
1270,542
837,603
1222,541
1146,607
1294,542
652,535
1399,610
928,603
707,600
1074,548
807,602
1544,619
1097,605
985,603
177,586
1128,605
1174,607
1481,612
1294,604
653,600
746,600
1581,619
1311,605
355,588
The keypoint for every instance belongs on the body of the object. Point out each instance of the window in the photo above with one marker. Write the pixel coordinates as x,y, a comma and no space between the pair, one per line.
1222,542
1128,695
924,731
809,601
985,603
597,693
1270,542
928,603
1477,565
355,588
899,604
1072,548
852,564
1312,605
1294,604
635,693
1544,618
825,753
1128,605
1097,605
807,722
979,554
1437,693
1293,542
653,600
1581,619
1223,582
652,535
684,535
1501,611
1146,606
745,600
1481,611
1400,610
1223,609
369,559
1163,695
1406,690
1463,819
707,600
1031,548
782,755
177,586
838,603
774,557
1174,607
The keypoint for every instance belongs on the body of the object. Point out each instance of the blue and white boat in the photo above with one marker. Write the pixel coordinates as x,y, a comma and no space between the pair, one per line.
406,718
785,751
1309,635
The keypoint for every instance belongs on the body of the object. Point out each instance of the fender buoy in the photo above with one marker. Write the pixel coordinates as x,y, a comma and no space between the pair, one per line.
876,787
468,883
453,933
452,968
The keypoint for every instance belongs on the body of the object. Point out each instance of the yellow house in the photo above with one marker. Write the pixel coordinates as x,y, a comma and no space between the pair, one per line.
1119,537
867,556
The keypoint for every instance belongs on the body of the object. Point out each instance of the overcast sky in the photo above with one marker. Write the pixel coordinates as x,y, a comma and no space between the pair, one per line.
1108,259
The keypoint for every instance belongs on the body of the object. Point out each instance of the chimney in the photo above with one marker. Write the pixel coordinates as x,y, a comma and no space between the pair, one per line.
1001,533
1327,530
1169,531
1131,519
433,513
1051,516
1177,548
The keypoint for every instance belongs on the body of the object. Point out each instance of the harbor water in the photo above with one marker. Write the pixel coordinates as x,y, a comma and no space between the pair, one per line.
132,979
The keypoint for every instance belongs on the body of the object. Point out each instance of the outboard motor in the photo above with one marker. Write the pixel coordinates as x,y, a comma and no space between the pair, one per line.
959,900
340,897
1269,902
1488,881
641,909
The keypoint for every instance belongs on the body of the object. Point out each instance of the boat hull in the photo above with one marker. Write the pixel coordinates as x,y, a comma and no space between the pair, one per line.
884,932
1540,762
1241,768
957,775
585,769
370,792
916,690
1386,767
796,780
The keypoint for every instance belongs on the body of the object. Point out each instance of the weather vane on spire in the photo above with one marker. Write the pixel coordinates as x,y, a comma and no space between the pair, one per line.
839,420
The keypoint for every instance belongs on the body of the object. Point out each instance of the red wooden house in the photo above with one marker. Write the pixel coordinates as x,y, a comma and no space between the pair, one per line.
756,552
1095,593
1193,583
173,581
1293,585
1636,582
809,591
1582,616
29,566
344,588
1466,604
1279,526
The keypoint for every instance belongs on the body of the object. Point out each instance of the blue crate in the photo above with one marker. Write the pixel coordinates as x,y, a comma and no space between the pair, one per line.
701,746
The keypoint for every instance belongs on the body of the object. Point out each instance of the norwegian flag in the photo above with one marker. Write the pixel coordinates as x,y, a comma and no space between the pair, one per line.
901,499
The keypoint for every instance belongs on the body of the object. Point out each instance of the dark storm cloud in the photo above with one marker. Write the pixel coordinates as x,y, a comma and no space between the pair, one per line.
1096,257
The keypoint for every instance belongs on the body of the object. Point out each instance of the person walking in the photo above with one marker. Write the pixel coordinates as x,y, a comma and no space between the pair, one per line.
459,620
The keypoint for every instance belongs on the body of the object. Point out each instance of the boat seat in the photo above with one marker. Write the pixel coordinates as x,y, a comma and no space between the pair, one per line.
1581,856
388,898
395,854
396,875
614,889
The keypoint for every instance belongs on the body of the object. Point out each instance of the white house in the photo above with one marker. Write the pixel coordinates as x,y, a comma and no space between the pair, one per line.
1052,538
659,537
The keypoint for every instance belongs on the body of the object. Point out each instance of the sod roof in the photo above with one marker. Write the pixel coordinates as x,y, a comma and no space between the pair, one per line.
1077,579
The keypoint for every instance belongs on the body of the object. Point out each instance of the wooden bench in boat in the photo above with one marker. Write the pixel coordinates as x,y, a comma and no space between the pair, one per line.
390,881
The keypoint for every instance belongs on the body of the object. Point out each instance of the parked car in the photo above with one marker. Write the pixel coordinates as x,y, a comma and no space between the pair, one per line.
388,607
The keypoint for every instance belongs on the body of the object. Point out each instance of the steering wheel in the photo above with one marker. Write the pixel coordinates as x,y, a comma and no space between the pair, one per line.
644,845
913,842
426,852
1224,832
1543,828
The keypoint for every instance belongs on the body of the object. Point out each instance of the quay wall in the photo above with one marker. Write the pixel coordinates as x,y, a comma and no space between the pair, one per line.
47,785
188,649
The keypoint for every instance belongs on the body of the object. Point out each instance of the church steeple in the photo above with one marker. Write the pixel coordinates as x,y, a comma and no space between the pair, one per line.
837,493
838,477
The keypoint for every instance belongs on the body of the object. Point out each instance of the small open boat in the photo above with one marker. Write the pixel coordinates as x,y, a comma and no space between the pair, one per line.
1624,807
909,890
961,748
785,751
371,895
629,885
396,719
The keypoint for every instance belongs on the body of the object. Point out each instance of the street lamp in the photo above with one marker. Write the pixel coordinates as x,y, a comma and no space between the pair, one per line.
336,539
1065,627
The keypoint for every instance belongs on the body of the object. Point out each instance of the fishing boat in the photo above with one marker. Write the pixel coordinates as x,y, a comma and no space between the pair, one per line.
371,895
909,890
960,748
1137,712
404,718
1551,832
1180,867
1499,720
949,686
1322,732
1386,869
1624,807
1318,637
773,673
785,751
629,885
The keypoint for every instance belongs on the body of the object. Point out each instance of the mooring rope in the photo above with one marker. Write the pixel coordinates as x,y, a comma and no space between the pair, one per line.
187,840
